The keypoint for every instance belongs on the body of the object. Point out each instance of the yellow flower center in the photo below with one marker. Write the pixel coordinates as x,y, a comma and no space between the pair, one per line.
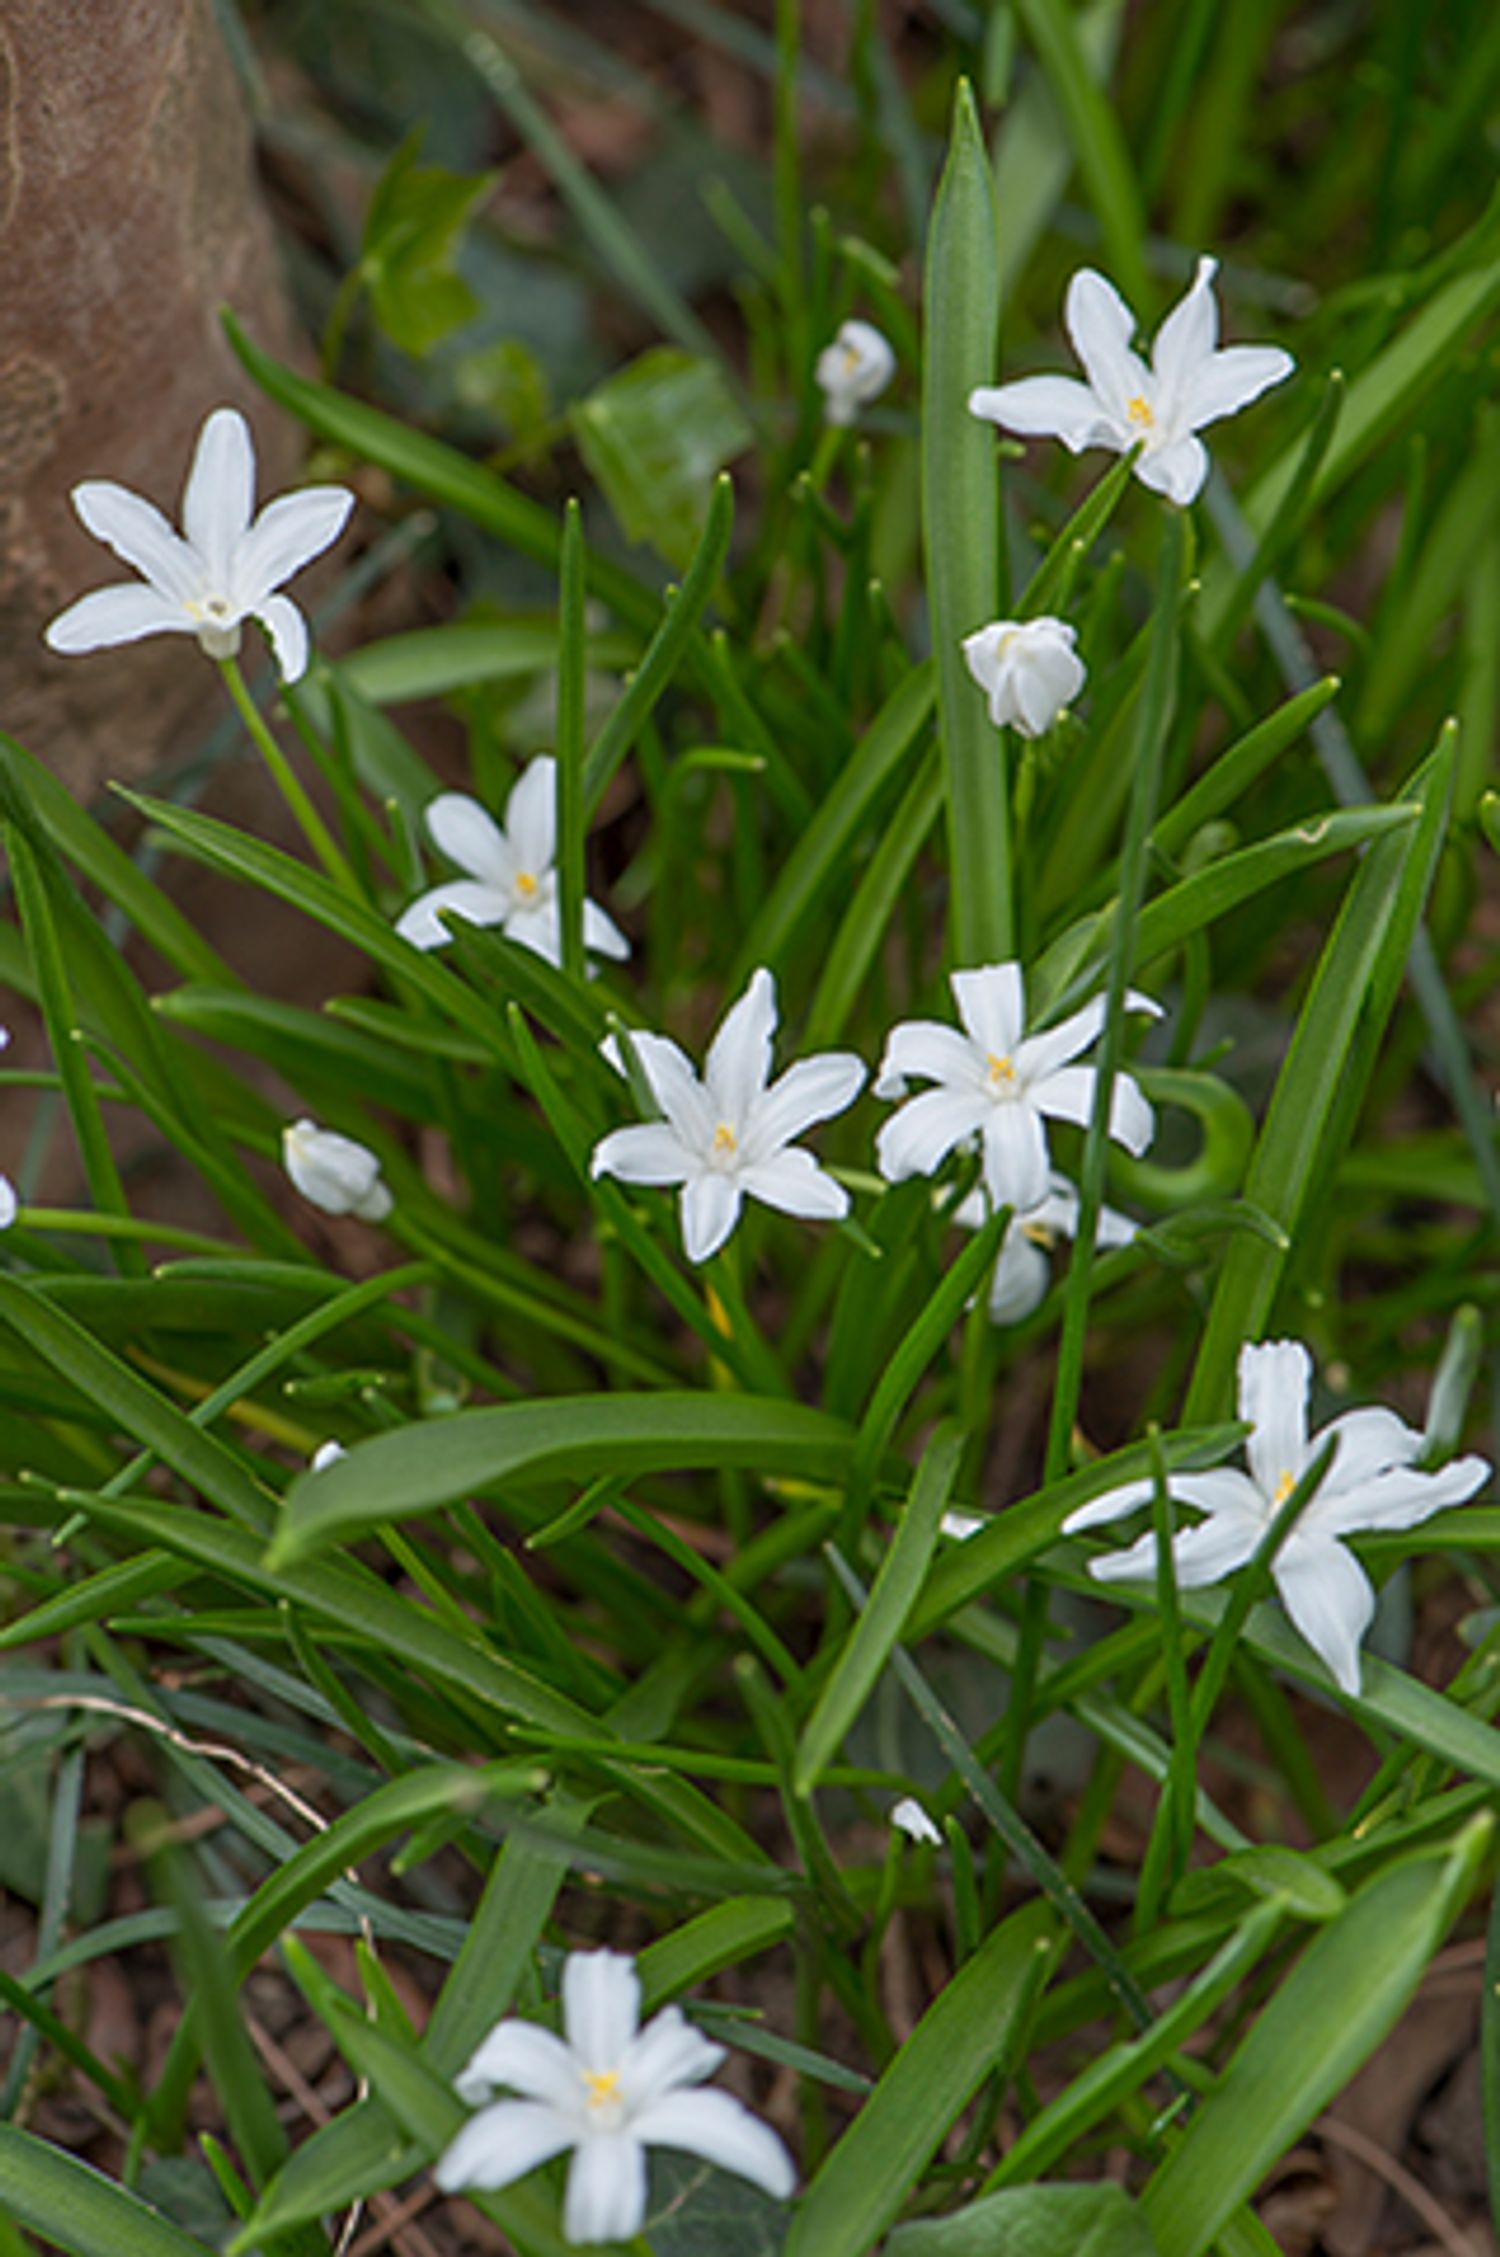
1039,1235
1283,1490
525,884
725,1140
603,2086
1002,1072
1140,411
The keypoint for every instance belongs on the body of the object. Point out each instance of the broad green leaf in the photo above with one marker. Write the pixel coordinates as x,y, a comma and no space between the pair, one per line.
413,227
655,435
867,1648
1320,2026
77,2207
1033,2221
565,1438
966,2035
960,531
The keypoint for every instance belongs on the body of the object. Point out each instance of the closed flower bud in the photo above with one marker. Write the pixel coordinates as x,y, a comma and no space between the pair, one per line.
1029,671
335,1173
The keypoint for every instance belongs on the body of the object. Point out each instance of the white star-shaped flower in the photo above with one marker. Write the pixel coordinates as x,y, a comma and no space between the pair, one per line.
996,1083
1190,383
853,370
1370,1484
221,570
334,1172
511,881
1022,1270
607,2090
730,1135
1029,671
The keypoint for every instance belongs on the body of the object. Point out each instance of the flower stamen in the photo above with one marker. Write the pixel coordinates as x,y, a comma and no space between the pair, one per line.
1140,411
1002,1072
525,884
603,2086
1283,1490
725,1140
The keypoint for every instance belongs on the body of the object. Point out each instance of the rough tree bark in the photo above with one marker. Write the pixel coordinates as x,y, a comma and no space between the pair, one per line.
128,216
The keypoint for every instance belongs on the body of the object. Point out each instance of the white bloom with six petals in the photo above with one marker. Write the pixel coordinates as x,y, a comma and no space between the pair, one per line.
1028,669
607,2090
334,1172
511,881
1022,1270
1189,384
221,570
1370,1484
853,370
730,1135
996,1083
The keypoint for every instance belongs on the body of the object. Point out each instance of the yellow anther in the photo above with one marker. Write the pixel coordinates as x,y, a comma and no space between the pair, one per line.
603,2086
1140,411
1283,1490
725,1139
1002,1072
525,884
1039,1235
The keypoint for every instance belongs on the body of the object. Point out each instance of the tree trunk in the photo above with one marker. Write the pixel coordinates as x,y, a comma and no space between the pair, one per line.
129,214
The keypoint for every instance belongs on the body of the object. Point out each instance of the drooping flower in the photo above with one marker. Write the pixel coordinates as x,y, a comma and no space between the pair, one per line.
729,1135
1190,383
334,1172
909,1818
1029,671
607,2091
221,570
1022,1270
511,880
853,370
995,1083
1370,1484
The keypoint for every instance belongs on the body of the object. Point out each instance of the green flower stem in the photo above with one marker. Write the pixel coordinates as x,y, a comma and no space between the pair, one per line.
306,816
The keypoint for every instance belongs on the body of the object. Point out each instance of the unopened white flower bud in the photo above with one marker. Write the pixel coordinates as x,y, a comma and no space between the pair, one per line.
909,1818
327,1454
1028,669
854,370
335,1173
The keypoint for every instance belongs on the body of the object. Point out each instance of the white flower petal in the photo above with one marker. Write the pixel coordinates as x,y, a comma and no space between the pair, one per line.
531,817
739,1059
601,1998
140,536
422,922
502,2144
1042,1054
668,2053
991,1002
526,2058
1370,1442
1233,378
1330,1600
469,835
909,1818
123,614
1177,471
653,1153
9,1204
1200,1555
717,2127
916,1140
606,2197
1045,407
1022,1276
1101,326
814,1089
220,493
1184,342
334,1172
1015,1157
1274,1379
536,925
1221,1490
793,1182
601,935
1401,1498
710,1209
288,534
1068,1095
673,1084
1113,1505
926,1050
290,643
